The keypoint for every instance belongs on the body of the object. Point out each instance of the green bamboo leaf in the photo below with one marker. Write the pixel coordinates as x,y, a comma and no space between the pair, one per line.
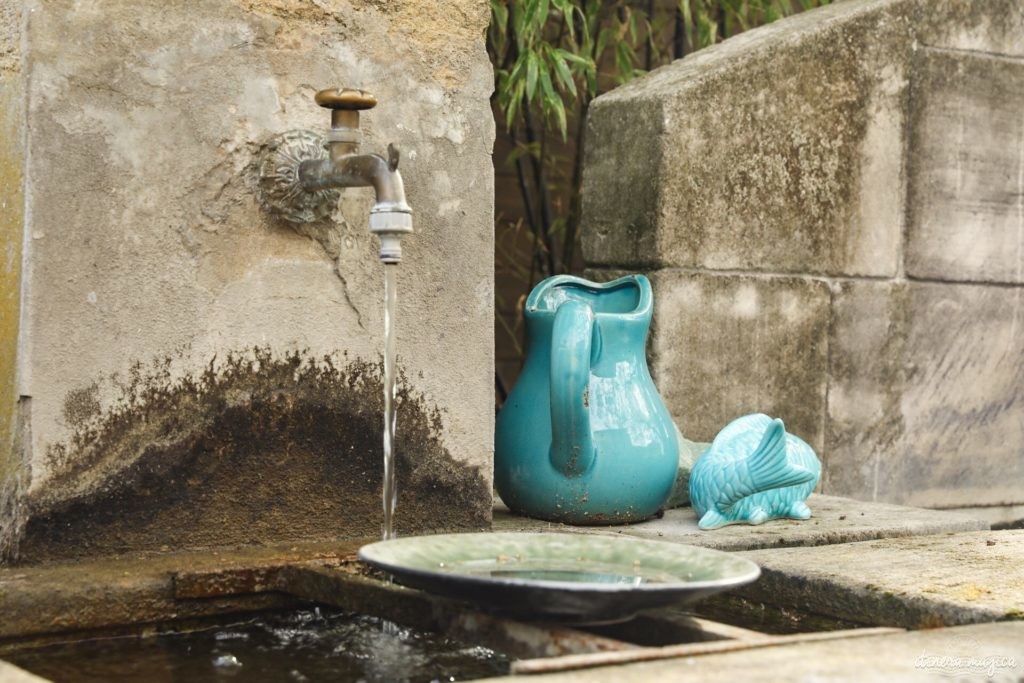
687,11
500,14
529,13
532,68
547,87
515,98
563,73
559,108
518,14
519,68
574,58
622,64
568,10
592,82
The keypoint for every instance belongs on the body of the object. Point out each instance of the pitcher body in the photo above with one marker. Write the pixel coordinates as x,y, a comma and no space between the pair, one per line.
584,437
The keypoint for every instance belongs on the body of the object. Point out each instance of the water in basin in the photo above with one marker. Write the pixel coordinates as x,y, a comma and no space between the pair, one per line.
314,644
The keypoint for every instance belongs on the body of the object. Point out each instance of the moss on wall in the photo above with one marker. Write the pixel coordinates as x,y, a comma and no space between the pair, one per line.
259,448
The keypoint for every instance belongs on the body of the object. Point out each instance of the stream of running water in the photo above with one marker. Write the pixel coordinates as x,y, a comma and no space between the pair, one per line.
390,492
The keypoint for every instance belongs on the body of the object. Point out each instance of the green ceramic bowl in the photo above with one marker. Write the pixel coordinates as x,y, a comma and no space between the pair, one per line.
577,578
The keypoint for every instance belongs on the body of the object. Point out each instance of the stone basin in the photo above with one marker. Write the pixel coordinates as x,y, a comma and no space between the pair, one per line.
815,571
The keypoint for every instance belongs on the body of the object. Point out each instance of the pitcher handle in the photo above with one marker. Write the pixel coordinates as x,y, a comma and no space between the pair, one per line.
572,447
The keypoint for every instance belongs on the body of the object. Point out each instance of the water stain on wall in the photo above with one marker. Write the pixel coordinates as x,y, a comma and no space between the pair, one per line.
262,449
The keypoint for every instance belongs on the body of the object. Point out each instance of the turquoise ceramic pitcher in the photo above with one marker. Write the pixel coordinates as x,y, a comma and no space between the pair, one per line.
584,437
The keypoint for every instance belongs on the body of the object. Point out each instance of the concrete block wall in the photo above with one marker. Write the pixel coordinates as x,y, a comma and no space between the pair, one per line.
178,369
831,209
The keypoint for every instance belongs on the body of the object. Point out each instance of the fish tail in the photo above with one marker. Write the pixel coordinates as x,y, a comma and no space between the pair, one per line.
768,466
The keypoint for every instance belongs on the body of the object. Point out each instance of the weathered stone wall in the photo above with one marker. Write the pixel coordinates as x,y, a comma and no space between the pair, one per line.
192,373
831,209
13,463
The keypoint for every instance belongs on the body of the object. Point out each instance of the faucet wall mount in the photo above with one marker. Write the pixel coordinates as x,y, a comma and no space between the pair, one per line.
281,191
301,173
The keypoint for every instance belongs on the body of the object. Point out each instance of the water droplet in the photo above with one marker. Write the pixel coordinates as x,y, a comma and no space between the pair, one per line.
227,662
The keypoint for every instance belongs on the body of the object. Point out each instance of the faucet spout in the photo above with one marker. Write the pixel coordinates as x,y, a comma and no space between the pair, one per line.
357,170
390,216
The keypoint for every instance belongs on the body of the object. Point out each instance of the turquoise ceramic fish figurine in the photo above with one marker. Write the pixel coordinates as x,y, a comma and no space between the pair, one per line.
753,471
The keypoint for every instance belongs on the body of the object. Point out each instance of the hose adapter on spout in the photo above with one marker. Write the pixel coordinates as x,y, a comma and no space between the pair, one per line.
301,172
391,218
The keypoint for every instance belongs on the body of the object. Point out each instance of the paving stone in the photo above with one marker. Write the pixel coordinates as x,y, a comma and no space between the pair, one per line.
835,520
926,581
961,653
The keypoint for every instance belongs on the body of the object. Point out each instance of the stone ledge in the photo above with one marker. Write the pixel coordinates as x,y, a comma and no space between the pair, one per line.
936,580
129,590
883,658
835,521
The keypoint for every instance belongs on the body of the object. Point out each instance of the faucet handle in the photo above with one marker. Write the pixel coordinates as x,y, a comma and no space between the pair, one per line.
349,99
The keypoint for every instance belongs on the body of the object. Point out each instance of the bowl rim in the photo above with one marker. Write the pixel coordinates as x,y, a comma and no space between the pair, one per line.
752,570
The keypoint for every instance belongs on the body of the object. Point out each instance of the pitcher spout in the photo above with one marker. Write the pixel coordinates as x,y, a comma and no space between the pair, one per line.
629,297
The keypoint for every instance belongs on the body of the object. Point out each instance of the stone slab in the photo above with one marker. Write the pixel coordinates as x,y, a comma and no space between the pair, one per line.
139,588
925,394
961,653
12,674
780,150
725,346
926,581
966,167
866,371
835,521
770,151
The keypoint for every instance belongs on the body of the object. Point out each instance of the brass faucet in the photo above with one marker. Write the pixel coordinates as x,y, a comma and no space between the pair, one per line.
300,173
